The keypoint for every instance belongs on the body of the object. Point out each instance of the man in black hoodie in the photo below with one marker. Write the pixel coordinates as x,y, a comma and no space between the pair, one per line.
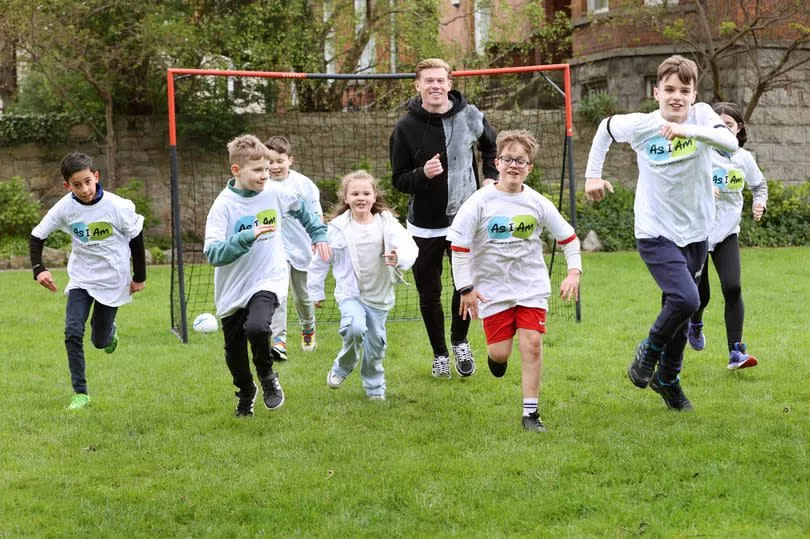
432,160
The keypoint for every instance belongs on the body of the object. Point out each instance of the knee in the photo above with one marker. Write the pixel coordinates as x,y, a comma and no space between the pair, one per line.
74,331
732,291
688,304
257,331
353,329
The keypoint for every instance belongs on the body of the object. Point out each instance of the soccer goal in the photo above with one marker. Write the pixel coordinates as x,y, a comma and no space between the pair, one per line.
337,123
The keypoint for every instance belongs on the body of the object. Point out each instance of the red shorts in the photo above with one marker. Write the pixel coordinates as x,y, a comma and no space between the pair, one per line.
504,325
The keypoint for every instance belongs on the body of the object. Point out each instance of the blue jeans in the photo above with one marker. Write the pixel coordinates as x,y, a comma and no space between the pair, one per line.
363,331
102,326
676,270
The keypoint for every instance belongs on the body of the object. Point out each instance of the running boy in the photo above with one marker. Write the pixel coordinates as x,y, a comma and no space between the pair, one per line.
105,231
297,246
674,208
243,243
499,269
370,249
729,174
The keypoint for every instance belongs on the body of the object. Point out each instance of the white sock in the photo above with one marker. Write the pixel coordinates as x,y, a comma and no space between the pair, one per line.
529,405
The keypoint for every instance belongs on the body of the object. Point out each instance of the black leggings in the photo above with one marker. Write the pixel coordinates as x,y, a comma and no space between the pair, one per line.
726,259
427,274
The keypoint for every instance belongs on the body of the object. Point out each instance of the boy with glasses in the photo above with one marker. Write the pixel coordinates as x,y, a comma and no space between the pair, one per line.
499,269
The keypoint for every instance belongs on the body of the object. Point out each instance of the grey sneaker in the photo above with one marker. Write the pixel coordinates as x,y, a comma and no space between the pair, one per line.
441,367
334,380
465,364
671,393
641,369
533,423
246,399
273,394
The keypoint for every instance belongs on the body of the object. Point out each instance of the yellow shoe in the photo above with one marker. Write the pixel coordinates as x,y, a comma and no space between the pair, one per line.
308,340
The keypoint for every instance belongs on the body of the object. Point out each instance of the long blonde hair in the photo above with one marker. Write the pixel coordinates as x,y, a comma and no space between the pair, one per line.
340,207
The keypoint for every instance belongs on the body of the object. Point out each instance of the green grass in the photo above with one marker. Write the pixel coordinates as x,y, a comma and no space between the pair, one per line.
159,453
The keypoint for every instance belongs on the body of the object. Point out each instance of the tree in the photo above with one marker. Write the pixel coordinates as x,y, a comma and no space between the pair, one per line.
99,42
769,36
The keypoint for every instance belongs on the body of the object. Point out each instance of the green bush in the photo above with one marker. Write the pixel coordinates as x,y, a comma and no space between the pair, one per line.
135,191
19,210
595,107
648,105
785,223
158,255
611,218
44,128
58,240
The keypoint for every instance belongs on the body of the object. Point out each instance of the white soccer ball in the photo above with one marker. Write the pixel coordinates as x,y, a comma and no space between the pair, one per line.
205,323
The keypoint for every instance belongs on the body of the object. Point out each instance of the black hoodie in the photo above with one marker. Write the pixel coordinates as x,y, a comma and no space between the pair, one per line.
418,136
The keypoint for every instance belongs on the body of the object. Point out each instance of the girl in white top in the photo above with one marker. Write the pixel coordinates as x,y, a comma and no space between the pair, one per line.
730,173
499,269
369,250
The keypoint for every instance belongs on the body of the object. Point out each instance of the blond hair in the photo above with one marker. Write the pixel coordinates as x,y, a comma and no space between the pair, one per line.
431,63
517,136
246,148
685,68
380,205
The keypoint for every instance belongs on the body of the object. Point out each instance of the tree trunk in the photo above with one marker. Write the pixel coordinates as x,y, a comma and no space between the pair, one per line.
8,71
111,146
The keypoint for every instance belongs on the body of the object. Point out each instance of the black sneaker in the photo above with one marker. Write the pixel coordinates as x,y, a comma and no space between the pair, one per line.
273,394
465,364
672,394
532,423
497,369
246,399
641,369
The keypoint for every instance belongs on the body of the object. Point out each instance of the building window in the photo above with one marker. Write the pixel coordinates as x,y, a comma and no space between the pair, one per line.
597,6
649,84
595,87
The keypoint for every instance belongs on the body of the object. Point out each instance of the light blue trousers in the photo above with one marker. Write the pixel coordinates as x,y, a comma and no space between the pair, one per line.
363,331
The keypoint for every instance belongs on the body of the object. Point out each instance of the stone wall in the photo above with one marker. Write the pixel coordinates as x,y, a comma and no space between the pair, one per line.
327,145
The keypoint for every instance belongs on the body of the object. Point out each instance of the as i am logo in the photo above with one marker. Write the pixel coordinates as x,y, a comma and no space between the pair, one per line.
661,149
97,231
266,217
728,179
519,226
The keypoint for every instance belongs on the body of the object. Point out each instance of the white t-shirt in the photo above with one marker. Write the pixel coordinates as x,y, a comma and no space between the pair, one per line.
297,243
673,197
729,175
100,234
366,251
264,266
502,231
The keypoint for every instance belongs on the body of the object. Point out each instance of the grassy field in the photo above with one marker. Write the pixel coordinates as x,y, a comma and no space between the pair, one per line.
159,452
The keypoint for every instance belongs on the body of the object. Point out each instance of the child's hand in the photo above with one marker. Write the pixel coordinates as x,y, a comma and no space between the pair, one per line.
136,287
671,130
469,304
433,167
569,288
715,192
595,188
391,258
46,279
263,229
759,210
318,304
323,250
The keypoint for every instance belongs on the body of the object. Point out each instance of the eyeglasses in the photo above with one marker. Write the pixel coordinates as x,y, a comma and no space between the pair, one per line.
519,161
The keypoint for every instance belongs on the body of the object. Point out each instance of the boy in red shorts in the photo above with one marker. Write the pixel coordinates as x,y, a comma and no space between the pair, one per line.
498,264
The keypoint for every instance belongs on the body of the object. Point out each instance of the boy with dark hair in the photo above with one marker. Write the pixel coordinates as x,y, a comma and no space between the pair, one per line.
243,243
432,159
105,231
674,209
499,269
297,247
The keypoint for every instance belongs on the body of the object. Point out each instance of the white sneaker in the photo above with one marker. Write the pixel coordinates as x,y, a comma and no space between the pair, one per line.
376,397
441,367
334,380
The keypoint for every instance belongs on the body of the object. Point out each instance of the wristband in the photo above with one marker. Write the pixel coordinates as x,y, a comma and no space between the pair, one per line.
465,290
